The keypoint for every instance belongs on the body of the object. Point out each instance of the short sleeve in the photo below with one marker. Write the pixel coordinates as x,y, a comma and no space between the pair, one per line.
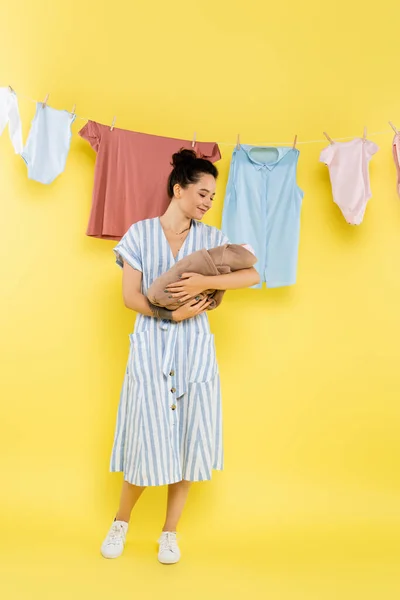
91,133
208,150
396,150
14,124
128,249
327,154
371,148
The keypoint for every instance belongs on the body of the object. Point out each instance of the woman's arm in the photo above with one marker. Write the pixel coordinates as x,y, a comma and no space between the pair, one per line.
233,281
135,300
131,291
191,284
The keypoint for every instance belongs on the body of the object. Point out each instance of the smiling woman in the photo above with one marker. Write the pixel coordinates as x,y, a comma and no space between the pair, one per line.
191,186
169,424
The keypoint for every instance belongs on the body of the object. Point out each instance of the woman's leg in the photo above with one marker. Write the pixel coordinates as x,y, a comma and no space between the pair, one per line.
114,543
177,496
130,494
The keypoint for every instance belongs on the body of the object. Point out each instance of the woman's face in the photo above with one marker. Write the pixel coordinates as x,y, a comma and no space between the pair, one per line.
197,198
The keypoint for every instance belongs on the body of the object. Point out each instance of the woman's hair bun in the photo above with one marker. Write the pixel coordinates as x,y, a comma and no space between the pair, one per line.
188,169
183,157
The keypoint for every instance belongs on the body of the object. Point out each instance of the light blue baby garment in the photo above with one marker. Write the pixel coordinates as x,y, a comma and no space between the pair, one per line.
48,143
262,208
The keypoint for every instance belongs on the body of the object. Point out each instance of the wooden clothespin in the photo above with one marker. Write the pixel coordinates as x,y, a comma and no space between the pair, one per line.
365,134
393,127
11,90
194,140
45,101
113,123
238,142
73,110
330,140
295,142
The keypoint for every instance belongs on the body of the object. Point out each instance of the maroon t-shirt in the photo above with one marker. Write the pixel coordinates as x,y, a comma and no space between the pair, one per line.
131,174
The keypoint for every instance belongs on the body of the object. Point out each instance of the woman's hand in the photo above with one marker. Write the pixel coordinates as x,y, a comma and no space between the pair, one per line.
189,286
191,309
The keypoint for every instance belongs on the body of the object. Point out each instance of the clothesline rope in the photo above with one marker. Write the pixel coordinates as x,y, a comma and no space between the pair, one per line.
372,134
298,143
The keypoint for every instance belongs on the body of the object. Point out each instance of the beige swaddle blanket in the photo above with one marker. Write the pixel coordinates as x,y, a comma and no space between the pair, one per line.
217,261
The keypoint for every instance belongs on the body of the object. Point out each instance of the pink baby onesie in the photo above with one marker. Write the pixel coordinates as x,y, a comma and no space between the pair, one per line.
396,156
348,170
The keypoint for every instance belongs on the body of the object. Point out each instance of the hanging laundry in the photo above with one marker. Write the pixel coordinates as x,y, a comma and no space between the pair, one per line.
349,174
48,143
262,207
396,156
9,113
131,174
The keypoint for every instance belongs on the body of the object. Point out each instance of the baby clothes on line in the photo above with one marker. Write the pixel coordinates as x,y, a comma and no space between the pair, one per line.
262,207
48,143
349,174
9,113
131,174
396,156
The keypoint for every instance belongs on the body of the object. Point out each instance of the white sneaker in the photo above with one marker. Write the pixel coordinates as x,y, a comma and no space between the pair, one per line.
168,552
113,545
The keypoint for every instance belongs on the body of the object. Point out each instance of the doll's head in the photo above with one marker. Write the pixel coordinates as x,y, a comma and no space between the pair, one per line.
249,248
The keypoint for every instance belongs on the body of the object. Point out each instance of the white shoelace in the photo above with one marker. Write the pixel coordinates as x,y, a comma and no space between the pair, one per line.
117,532
168,542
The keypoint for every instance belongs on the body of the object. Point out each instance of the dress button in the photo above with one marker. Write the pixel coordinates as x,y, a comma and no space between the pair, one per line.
172,373
173,390
173,406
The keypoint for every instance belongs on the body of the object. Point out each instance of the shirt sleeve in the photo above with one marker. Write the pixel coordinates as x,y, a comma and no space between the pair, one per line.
371,147
91,133
327,154
128,249
14,125
209,151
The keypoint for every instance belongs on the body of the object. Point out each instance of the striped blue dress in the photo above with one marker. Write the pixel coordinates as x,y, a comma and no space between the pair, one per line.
169,421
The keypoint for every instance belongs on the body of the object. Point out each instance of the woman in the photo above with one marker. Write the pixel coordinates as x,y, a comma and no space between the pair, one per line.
169,423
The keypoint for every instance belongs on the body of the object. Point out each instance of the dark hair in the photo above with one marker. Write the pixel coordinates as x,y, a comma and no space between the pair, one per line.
188,169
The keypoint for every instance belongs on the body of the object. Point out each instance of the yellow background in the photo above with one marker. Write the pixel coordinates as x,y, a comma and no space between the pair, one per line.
308,504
